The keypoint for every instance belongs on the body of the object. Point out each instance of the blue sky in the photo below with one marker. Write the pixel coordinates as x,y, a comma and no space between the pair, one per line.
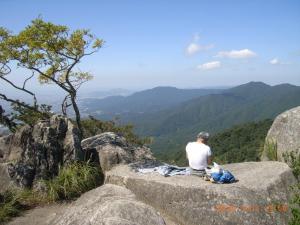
177,43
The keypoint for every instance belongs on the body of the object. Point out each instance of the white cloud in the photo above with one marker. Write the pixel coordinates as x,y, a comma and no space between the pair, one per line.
193,48
209,65
275,61
237,54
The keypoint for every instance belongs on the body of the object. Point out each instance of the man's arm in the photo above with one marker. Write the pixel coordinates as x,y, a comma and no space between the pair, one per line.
186,150
209,160
209,156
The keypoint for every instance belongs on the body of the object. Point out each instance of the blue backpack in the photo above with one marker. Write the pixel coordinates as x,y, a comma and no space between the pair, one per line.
224,177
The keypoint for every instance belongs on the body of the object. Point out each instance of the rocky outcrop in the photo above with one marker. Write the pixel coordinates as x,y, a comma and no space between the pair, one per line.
259,197
37,152
34,153
4,145
5,180
110,149
109,205
284,134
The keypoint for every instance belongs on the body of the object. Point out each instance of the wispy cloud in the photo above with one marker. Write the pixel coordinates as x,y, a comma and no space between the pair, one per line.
237,54
274,61
194,47
209,65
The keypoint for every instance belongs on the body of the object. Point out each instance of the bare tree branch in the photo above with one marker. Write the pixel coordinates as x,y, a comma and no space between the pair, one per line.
22,88
65,105
24,84
5,69
17,102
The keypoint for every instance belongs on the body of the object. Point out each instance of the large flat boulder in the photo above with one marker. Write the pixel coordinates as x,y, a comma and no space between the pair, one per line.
284,134
259,197
108,205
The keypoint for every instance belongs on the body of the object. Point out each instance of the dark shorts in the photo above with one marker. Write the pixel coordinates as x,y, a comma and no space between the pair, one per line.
200,173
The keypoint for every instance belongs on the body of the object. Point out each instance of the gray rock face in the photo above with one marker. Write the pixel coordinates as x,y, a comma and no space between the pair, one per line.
5,180
285,133
259,197
37,152
109,205
110,149
4,145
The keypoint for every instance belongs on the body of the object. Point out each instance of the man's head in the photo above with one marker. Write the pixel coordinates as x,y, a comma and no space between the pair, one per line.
203,137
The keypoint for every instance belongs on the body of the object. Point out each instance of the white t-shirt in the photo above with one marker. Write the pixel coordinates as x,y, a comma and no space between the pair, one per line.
197,154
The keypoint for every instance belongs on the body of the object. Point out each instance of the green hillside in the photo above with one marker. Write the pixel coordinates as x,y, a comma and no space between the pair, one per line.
237,144
173,117
143,101
174,127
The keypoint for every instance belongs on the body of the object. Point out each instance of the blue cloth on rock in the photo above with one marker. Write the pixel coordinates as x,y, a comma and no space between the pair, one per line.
223,177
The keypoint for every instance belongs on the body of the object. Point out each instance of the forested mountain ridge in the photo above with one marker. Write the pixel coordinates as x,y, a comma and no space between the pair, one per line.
150,100
253,101
174,116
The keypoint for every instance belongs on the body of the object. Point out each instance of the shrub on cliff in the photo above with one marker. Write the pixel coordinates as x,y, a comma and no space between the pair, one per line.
73,180
294,162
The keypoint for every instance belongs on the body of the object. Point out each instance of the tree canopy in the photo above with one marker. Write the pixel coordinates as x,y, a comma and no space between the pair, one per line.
51,53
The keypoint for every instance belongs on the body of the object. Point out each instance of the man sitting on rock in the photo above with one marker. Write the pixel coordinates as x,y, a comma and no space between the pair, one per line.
199,154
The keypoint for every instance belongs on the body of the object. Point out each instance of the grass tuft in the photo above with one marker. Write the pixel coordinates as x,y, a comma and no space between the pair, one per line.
293,160
72,180
270,149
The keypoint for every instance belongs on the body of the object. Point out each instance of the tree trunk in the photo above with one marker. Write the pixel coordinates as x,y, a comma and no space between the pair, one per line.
78,155
77,115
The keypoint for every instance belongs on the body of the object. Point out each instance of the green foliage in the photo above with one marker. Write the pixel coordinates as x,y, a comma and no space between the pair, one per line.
6,120
293,160
295,205
9,206
270,150
172,128
92,126
29,116
73,180
13,202
51,52
237,144
48,48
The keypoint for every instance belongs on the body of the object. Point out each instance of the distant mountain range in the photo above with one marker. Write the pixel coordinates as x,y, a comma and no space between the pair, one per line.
254,101
103,94
151,100
174,116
